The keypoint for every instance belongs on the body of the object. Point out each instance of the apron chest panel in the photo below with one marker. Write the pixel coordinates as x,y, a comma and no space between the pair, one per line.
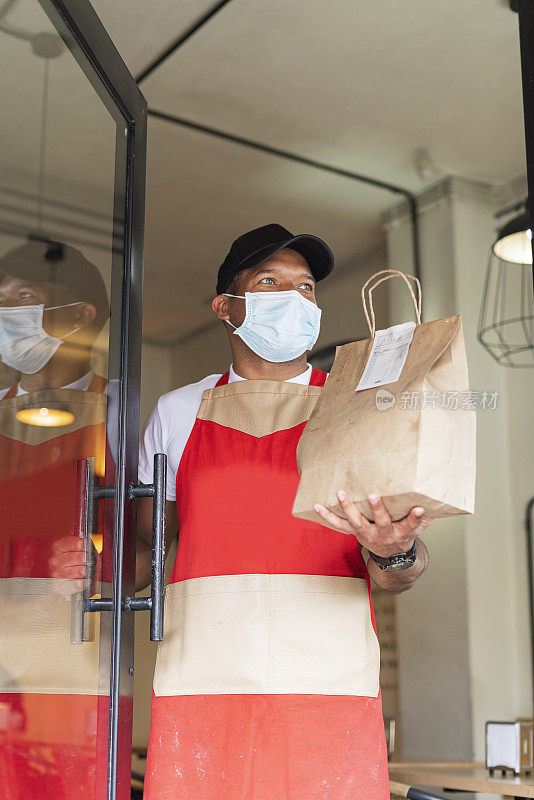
259,408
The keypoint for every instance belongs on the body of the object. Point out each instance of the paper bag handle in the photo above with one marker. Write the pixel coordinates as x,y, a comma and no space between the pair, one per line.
386,275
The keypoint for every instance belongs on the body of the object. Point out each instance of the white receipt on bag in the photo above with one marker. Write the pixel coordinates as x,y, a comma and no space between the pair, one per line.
387,357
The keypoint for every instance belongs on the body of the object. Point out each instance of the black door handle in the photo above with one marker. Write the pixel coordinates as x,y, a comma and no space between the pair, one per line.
154,603
81,630
87,493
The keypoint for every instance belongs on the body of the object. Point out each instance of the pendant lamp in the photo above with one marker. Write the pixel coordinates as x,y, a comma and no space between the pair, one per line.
506,321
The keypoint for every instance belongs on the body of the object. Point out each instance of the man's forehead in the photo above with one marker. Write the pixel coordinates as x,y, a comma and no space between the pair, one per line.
282,260
287,255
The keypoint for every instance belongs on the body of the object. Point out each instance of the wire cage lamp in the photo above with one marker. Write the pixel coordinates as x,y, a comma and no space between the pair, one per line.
506,320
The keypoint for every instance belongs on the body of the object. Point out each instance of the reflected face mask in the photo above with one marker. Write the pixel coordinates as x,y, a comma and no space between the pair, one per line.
278,326
24,344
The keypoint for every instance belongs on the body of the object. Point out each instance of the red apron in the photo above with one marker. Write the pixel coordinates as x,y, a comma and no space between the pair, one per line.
266,682
53,707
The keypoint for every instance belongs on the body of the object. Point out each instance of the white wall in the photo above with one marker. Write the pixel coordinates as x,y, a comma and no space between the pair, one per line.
156,376
339,297
520,392
496,578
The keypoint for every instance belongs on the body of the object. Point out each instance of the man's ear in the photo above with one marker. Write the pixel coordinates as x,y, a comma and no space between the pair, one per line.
220,306
86,312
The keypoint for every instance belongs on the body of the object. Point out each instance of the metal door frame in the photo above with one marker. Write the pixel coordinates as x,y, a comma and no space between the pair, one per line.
88,41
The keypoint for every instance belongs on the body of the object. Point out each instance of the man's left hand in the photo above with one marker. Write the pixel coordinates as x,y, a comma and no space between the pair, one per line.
382,537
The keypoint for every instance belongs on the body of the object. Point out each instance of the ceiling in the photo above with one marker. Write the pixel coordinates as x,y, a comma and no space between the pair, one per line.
361,86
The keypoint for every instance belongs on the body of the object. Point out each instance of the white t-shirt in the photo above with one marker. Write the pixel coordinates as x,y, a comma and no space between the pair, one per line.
169,425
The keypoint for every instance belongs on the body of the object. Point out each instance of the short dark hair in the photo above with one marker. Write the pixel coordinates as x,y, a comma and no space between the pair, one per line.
233,286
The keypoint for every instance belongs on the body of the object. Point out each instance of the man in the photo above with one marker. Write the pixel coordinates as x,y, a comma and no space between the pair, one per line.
53,305
266,682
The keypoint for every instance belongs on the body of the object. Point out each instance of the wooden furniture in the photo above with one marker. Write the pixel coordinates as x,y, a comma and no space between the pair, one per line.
467,777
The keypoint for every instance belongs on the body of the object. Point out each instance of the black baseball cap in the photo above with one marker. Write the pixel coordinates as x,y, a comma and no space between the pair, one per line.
253,248
58,263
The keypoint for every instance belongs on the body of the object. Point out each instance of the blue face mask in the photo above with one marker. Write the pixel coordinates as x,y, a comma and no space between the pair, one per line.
278,326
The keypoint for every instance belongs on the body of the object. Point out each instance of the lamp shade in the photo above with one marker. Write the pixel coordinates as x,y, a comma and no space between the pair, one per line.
514,242
506,321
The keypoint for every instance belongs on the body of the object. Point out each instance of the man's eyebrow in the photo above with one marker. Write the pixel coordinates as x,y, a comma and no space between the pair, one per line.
25,284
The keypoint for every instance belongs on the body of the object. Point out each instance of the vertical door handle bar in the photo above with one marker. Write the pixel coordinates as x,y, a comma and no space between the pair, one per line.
87,493
154,603
80,631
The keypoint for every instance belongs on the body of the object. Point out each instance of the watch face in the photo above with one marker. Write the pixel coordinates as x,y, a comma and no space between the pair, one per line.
399,563
398,566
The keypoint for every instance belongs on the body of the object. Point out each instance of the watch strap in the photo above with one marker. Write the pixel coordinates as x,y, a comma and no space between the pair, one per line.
397,562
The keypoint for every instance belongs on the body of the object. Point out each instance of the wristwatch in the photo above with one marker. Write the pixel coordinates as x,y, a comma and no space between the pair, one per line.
398,562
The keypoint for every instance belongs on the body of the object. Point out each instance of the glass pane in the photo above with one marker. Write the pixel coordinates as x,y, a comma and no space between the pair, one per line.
57,430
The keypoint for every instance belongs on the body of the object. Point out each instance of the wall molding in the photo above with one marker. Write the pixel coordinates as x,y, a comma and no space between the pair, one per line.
456,187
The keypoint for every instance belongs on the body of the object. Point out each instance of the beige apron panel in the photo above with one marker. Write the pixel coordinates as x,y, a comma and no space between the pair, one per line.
36,655
259,408
268,634
88,408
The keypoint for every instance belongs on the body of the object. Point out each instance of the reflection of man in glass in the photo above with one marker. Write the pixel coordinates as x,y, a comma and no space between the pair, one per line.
53,305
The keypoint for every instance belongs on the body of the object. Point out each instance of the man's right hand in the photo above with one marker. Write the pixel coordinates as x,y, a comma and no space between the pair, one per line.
67,564
67,559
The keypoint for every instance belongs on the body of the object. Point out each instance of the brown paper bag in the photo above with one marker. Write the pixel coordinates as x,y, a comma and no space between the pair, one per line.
415,446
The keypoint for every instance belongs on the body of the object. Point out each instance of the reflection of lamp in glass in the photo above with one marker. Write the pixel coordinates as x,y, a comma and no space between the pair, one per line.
45,417
506,322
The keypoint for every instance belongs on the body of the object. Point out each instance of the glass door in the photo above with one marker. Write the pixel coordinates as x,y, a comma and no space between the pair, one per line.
72,177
